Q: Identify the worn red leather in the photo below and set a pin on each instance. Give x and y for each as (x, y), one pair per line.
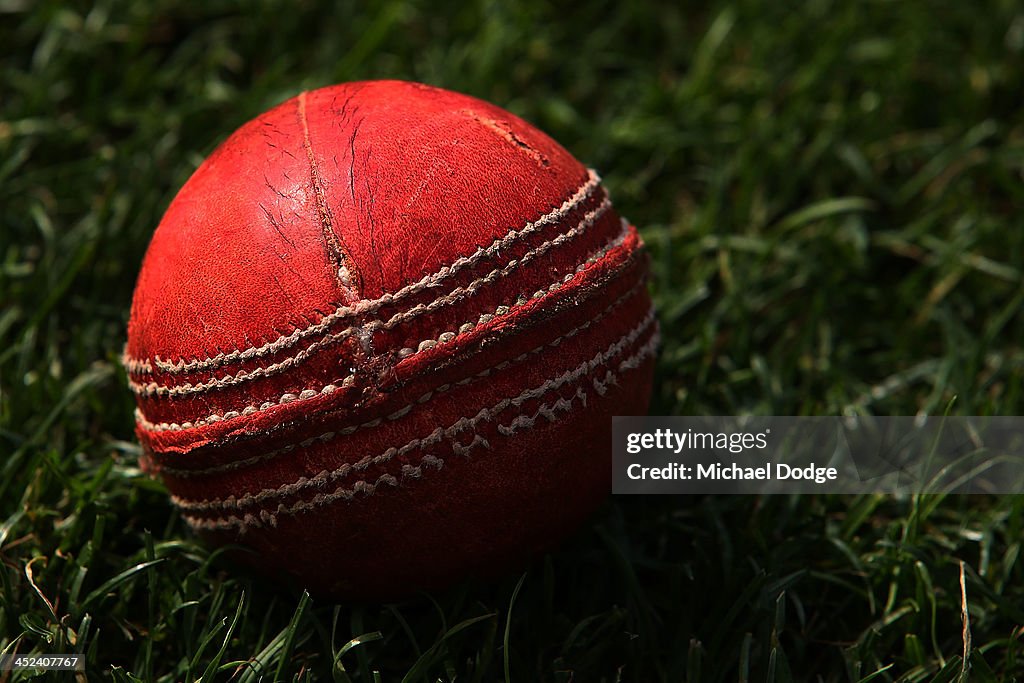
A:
(379, 336)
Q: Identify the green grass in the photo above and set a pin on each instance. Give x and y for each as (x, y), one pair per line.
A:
(832, 196)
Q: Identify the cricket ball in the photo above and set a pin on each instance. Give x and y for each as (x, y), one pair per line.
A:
(379, 336)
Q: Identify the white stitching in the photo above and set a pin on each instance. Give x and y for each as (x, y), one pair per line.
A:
(309, 394)
(520, 301)
(142, 365)
(401, 412)
(521, 421)
(426, 345)
(252, 409)
(153, 388)
(456, 295)
(135, 365)
(186, 389)
(485, 414)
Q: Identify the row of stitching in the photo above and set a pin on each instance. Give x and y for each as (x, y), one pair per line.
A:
(143, 365)
(252, 409)
(459, 293)
(187, 389)
(486, 414)
(522, 421)
(136, 366)
(426, 345)
(240, 464)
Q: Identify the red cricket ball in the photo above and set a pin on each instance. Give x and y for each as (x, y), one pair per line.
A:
(379, 336)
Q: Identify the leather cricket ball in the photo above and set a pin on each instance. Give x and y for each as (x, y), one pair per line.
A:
(379, 336)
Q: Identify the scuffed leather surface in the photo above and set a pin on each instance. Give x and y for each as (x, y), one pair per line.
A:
(412, 179)
(428, 169)
(239, 256)
(394, 181)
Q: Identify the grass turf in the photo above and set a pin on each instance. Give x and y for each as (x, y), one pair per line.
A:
(832, 198)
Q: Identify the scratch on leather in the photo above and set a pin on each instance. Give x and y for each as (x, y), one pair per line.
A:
(346, 272)
(504, 131)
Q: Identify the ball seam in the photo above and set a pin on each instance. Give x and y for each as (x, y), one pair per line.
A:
(233, 502)
(240, 464)
(455, 296)
(521, 421)
(447, 337)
